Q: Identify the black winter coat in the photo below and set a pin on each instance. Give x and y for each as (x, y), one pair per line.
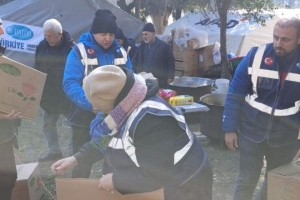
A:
(52, 60)
(161, 62)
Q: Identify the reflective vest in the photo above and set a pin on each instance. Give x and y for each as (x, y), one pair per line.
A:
(90, 61)
(124, 140)
(264, 72)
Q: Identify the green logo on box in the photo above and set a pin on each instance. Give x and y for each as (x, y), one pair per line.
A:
(10, 69)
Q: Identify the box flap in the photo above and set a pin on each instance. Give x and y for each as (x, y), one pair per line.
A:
(287, 169)
(25, 170)
(79, 189)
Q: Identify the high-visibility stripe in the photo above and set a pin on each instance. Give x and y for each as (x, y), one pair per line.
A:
(126, 142)
(263, 73)
(268, 109)
(293, 77)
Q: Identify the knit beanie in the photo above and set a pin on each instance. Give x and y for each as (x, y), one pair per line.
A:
(149, 27)
(120, 35)
(103, 85)
(104, 22)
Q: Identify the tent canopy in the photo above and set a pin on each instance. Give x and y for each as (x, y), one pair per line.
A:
(241, 33)
(76, 17)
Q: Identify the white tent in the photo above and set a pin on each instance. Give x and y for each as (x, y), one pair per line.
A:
(76, 17)
(242, 34)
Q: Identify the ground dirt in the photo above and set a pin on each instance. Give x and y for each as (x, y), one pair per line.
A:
(32, 144)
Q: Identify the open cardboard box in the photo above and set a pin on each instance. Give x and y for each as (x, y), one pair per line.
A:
(28, 185)
(21, 88)
(80, 189)
(284, 182)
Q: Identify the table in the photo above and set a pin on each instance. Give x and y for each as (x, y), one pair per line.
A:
(192, 112)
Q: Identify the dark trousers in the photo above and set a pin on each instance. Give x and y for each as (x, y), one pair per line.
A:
(80, 136)
(251, 162)
(8, 171)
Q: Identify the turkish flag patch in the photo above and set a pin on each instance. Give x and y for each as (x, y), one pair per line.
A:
(268, 61)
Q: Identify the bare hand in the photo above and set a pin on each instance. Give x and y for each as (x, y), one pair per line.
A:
(170, 80)
(297, 157)
(231, 140)
(106, 183)
(12, 115)
(62, 165)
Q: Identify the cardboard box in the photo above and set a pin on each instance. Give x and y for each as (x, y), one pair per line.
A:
(188, 56)
(80, 189)
(186, 66)
(284, 182)
(28, 185)
(21, 88)
(189, 46)
(206, 56)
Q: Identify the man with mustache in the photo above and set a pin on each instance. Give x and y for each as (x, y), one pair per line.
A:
(261, 115)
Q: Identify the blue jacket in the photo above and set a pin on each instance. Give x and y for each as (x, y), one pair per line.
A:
(263, 107)
(81, 111)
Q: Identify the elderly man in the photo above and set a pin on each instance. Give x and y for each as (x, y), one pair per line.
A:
(155, 56)
(50, 58)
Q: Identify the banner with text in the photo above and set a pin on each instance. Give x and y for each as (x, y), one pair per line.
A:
(21, 37)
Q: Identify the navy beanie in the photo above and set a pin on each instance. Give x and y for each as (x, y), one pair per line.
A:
(149, 27)
(120, 35)
(104, 22)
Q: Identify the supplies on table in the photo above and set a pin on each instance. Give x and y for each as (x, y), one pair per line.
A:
(181, 100)
(166, 93)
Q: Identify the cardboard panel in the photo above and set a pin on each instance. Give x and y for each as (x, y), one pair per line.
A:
(206, 56)
(80, 189)
(21, 88)
(284, 182)
(186, 56)
(187, 66)
(28, 185)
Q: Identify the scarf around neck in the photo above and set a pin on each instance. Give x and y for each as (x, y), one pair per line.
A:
(104, 127)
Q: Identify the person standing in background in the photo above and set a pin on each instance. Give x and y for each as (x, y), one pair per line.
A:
(8, 140)
(261, 114)
(123, 41)
(155, 56)
(96, 48)
(50, 58)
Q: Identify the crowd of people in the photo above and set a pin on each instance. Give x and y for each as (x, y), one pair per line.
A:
(116, 115)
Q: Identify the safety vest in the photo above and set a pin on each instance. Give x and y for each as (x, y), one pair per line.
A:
(90, 61)
(258, 73)
(124, 140)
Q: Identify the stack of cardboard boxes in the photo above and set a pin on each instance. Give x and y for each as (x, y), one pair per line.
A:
(192, 62)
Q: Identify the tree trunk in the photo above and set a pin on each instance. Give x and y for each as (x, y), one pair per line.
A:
(223, 6)
(177, 14)
(137, 9)
(158, 23)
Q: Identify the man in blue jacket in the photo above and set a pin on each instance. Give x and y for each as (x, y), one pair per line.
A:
(155, 56)
(97, 47)
(261, 114)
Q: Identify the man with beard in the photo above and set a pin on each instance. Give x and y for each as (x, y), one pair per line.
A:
(155, 56)
(261, 114)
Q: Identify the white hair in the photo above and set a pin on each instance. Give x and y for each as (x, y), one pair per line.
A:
(53, 24)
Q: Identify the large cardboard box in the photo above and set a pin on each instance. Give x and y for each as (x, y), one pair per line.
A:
(284, 182)
(206, 56)
(21, 88)
(28, 185)
(80, 189)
